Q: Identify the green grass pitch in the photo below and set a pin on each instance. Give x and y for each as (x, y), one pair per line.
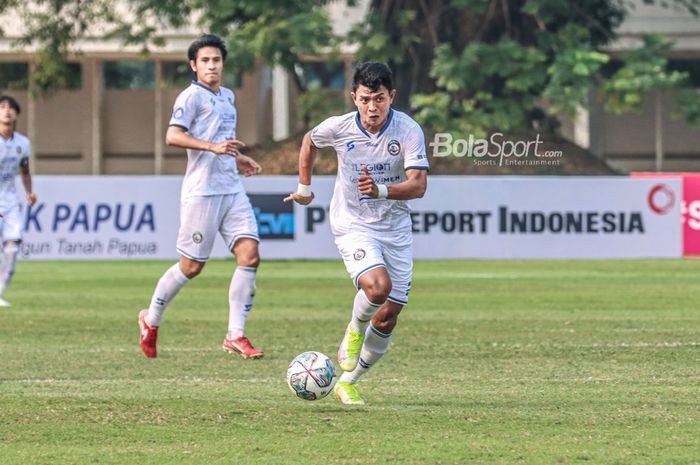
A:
(499, 362)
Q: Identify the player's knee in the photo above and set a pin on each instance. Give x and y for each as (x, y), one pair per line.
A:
(251, 259)
(385, 323)
(191, 268)
(378, 290)
(246, 252)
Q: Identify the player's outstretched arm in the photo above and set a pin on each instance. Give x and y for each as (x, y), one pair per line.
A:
(413, 187)
(307, 158)
(178, 137)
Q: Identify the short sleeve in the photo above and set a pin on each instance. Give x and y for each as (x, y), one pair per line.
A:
(415, 156)
(324, 134)
(184, 111)
(23, 161)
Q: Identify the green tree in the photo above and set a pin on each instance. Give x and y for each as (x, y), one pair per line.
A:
(478, 65)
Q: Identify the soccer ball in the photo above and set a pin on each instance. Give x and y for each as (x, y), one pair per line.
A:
(311, 375)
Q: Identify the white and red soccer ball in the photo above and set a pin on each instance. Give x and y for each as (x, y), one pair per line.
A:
(311, 375)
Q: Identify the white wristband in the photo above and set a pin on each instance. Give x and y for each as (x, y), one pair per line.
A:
(383, 191)
(304, 190)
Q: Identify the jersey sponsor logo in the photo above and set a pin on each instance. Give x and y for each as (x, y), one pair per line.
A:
(359, 254)
(372, 167)
(349, 146)
(393, 147)
(197, 237)
(275, 219)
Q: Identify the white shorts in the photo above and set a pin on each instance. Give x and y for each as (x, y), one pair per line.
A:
(12, 224)
(203, 216)
(365, 251)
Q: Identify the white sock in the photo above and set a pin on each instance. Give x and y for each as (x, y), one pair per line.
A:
(9, 263)
(375, 346)
(362, 312)
(240, 298)
(169, 285)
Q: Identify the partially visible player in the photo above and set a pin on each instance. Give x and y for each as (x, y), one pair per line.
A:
(382, 163)
(15, 150)
(213, 199)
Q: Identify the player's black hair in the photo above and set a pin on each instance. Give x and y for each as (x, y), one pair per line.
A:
(206, 40)
(10, 101)
(373, 75)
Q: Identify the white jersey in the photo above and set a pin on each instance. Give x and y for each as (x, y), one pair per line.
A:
(397, 147)
(14, 152)
(211, 117)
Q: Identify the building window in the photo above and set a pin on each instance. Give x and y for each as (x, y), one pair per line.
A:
(74, 76)
(692, 67)
(177, 74)
(325, 90)
(14, 75)
(129, 74)
(322, 75)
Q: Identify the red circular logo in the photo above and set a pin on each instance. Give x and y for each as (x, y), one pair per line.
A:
(661, 199)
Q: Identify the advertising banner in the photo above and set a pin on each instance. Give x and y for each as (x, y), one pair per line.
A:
(690, 207)
(137, 217)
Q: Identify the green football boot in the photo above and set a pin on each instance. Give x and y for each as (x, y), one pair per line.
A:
(349, 350)
(347, 393)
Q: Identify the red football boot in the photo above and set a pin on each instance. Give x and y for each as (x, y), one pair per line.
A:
(149, 335)
(242, 346)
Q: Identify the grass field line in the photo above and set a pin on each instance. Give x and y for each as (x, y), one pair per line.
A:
(507, 345)
(595, 345)
(119, 381)
(556, 275)
(127, 381)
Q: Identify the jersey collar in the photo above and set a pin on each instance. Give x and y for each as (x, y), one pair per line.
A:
(206, 88)
(381, 131)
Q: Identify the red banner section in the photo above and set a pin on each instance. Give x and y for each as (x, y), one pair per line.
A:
(690, 206)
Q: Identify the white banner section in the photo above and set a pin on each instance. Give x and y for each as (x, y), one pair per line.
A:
(137, 217)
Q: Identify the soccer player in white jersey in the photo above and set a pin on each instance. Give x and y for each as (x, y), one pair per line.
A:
(212, 198)
(15, 150)
(382, 163)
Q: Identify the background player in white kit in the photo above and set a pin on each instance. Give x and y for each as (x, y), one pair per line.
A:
(212, 199)
(15, 150)
(381, 163)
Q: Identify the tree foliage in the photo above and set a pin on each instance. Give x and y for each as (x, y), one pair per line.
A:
(472, 66)
(462, 65)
